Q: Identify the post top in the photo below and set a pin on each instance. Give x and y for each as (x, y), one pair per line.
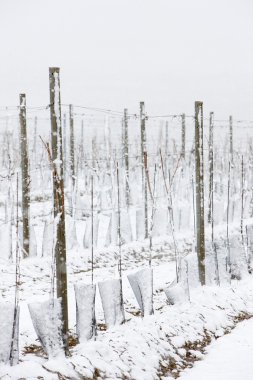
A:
(54, 69)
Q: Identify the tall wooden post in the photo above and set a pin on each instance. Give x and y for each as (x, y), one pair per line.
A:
(183, 136)
(231, 138)
(210, 158)
(72, 145)
(126, 156)
(199, 167)
(25, 176)
(144, 179)
(58, 190)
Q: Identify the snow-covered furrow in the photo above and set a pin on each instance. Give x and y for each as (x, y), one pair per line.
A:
(229, 358)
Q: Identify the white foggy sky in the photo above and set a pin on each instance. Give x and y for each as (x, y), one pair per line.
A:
(115, 53)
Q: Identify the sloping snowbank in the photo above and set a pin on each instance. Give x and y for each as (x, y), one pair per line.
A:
(147, 348)
(229, 358)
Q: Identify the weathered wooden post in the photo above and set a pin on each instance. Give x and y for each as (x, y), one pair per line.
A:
(126, 156)
(199, 167)
(58, 190)
(144, 179)
(25, 176)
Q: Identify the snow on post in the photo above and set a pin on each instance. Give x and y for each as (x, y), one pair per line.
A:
(85, 311)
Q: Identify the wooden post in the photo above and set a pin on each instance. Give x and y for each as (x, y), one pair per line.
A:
(210, 157)
(25, 176)
(126, 156)
(183, 136)
(144, 179)
(231, 138)
(72, 145)
(199, 167)
(58, 190)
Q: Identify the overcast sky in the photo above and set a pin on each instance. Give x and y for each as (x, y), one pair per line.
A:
(115, 53)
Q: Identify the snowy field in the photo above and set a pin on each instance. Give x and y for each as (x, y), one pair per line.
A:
(126, 190)
(154, 346)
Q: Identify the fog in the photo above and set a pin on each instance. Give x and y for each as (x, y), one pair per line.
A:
(115, 53)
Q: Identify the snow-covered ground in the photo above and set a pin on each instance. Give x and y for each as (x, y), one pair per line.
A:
(153, 347)
(228, 358)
